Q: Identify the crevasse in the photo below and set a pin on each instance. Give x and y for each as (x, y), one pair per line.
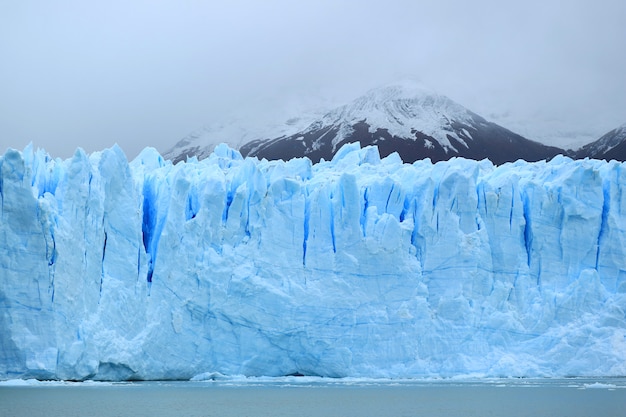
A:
(359, 266)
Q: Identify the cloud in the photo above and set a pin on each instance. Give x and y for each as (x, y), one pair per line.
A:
(145, 73)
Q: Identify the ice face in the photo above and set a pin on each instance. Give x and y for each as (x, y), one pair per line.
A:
(359, 266)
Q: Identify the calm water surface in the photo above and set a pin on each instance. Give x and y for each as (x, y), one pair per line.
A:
(304, 397)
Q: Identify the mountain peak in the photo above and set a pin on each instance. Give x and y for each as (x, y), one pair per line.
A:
(611, 145)
(404, 89)
(405, 117)
(403, 109)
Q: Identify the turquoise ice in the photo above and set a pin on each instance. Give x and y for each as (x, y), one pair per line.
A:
(359, 266)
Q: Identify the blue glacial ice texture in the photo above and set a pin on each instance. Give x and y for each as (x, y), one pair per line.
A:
(359, 266)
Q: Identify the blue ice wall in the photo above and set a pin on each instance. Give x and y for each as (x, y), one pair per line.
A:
(359, 266)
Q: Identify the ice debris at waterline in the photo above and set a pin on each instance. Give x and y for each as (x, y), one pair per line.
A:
(358, 266)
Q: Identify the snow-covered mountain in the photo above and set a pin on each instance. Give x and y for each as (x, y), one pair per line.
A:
(359, 266)
(612, 145)
(236, 132)
(405, 118)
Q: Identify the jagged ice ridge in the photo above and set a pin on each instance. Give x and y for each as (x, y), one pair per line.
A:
(352, 267)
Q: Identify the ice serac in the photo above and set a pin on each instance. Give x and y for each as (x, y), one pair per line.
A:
(358, 266)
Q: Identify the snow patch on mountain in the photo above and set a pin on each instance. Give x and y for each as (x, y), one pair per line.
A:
(235, 133)
(402, 109)
(610, 140)
(240, 129)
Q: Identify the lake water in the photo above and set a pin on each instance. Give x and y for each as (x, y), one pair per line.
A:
(304, 397)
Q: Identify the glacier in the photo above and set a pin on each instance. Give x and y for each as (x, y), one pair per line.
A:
(354, 267)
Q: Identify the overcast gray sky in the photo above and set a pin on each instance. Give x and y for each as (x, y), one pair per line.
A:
(146, 73)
